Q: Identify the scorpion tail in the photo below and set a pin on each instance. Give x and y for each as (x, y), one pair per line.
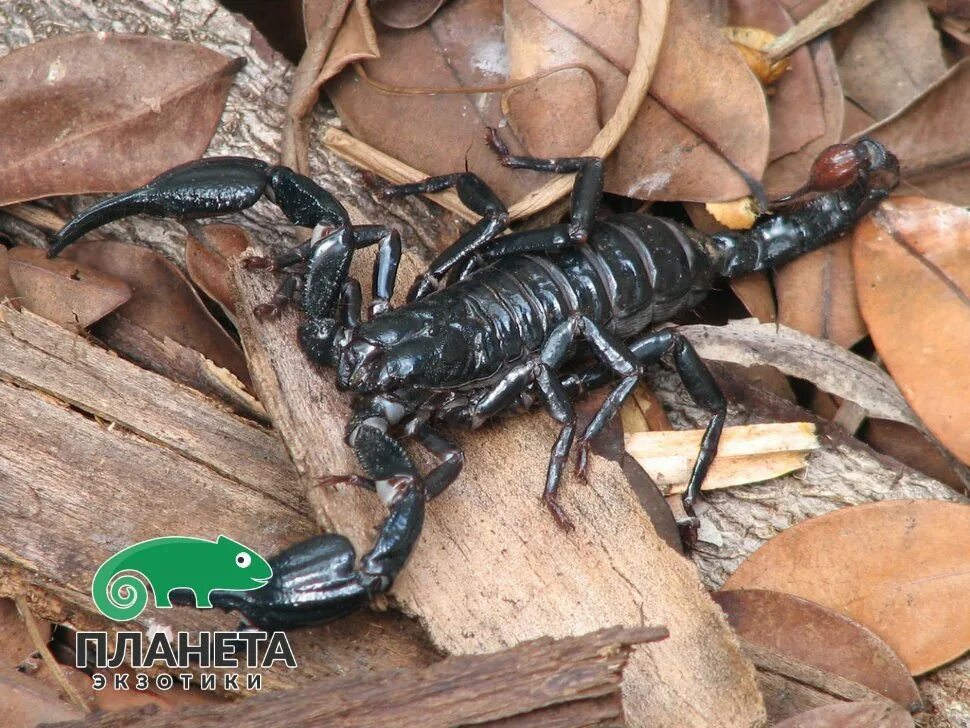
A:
(850, 179)
(121, 597)
(203, 188)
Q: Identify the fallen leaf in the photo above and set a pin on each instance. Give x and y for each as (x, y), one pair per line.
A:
(913, 448)
(8, 292)
(930, 138)
(750, 43)
(206, 260)
(810, 633)
(795, 104)
(826, 365)
(99, 112)
(356, 40)
(851, 715)
(823, 93)
(71, 295)
(757, 295)
(899, 568)
(163, 301)
(404, 14)
(912, 264)
(816, 295)
(894, 54)
(462, 46)
(665, 154)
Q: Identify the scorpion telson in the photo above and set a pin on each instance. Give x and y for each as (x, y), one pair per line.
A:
(496, 322)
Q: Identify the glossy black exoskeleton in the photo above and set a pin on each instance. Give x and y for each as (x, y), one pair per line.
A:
(494, 323)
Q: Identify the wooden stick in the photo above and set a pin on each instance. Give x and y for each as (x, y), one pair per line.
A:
(825, 17)
(575, 681)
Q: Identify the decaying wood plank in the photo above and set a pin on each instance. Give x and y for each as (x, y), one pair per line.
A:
(492, 568)
(76, 489)
(569, 682)
(38, 354)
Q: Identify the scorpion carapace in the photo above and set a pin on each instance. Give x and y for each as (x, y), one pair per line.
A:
(496, 322)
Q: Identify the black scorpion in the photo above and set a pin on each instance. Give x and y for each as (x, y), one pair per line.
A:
(493, 324)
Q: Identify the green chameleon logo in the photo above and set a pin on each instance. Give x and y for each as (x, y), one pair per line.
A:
(175, 562)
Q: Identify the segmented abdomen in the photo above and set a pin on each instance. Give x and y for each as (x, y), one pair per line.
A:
(635, 269)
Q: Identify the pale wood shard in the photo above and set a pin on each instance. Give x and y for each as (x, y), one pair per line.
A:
(565, 683)
(492, 568)
(746, 454)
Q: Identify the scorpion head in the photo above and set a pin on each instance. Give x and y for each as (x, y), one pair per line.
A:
(407, 348)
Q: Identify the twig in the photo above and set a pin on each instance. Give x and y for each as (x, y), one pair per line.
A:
(825, 17)
(41, 644)
(306, 90)
(35, 215)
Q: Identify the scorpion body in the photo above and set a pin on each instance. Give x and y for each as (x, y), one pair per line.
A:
(497, 322)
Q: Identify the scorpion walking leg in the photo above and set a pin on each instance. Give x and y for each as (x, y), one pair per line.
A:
(697, 380)
(478, 198)
(452, 459)
(587, 190)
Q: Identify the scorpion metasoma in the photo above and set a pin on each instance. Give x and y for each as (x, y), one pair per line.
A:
(496, 322)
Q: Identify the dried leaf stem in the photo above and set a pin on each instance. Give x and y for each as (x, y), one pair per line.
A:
(41, 644)
(825, 17)
(306, 90)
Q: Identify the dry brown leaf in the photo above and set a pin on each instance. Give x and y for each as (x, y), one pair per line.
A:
(912, 264)
(930, 138)
(99, 112)
(808, 632)
(894, 55)
(206, 260)
(899, 568)
(913, 448)
(164, 302)
(795, 104)
(462, 46)
(664, 155)
(404, 14)
(71, 295)
(851, 715)
(749, 42)
(822, 90)
(826, 365)
(8, 292)
(355, 41)
(816, 295)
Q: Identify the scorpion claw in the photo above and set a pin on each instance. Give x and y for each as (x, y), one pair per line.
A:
(377, 184)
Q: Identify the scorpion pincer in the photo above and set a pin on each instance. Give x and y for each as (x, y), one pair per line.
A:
(496, 322)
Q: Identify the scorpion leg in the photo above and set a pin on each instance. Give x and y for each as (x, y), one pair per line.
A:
(451, 458)
(587, 190)
(477, 197)
(697, 380)
(545, 240)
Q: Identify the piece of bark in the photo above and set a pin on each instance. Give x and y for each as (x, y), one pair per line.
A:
(576, 679)
(492, 568)
(149, 458)
(791, 687)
